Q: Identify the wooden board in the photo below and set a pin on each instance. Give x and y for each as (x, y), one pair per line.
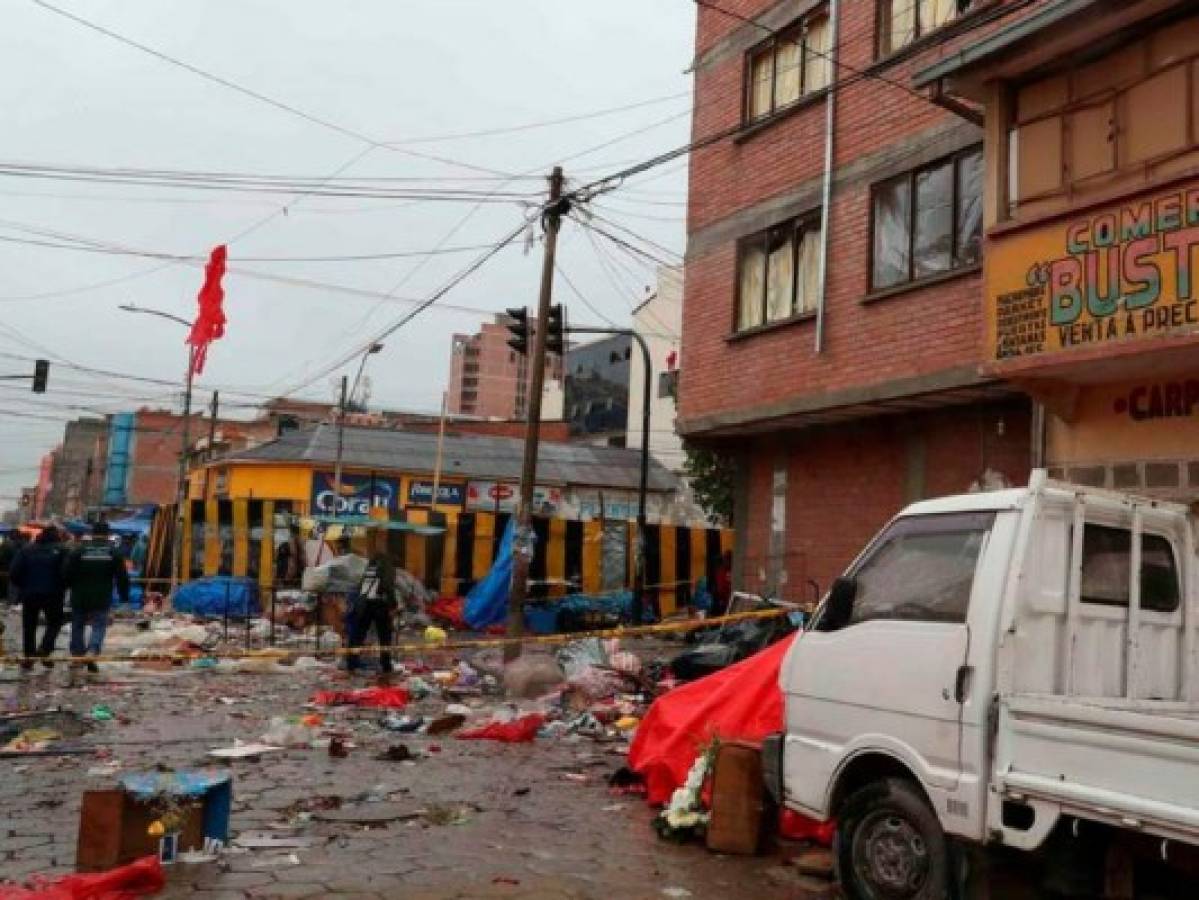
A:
(738, 799)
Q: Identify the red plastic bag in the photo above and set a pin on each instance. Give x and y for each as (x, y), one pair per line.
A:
(373, 698)
(138, 879)
(518, 731)
(449, 611)
(742, 702)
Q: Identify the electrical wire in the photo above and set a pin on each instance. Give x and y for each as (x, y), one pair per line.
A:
(255, 95)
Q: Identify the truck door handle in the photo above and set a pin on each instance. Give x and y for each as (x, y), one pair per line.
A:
(962, 683)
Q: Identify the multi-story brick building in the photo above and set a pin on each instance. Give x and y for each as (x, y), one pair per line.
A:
(488, 378)
(833, 323)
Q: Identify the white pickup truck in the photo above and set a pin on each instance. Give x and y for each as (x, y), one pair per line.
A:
(1012, 669)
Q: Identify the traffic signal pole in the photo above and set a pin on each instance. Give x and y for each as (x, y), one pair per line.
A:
(524, 545)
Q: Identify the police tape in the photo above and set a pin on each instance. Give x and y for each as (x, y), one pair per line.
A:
(279, 654)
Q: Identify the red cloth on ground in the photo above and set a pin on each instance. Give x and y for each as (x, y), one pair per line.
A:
(138, 879)
(374, 698)
(518, 731)
(742, 702)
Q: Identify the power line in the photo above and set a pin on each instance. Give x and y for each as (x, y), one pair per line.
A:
(491, 132)
(255, 95)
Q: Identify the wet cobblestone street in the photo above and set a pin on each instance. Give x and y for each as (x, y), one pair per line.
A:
(464, 819)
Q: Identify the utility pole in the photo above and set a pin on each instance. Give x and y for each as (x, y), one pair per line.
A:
(523, 547)
(341, 431)
(213, 409)
(437, 465)
(178, 568)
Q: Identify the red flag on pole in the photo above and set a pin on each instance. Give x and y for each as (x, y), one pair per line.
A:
(210, 320)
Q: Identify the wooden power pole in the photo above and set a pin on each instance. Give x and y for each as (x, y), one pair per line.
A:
(525, 543)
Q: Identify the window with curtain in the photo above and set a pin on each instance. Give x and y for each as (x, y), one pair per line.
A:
(927, 221)
(903, 21)
(788, 66)
(778, 273)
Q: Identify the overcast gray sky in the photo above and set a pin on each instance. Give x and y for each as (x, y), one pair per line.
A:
(384, 70)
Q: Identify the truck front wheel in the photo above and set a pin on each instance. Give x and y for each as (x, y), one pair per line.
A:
(890, 846)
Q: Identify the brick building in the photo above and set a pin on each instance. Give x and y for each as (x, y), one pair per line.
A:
(841, 391)
(488, 378)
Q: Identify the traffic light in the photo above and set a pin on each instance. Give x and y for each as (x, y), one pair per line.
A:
(41, 371)
(555, 330)
(519, 326)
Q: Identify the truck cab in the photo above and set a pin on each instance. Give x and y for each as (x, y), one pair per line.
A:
(992, 666)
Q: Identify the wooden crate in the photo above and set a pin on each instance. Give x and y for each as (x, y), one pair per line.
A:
(113, 830)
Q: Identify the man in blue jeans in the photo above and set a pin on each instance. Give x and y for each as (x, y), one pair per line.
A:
(91, 572)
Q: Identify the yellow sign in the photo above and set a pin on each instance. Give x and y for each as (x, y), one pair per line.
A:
(1121, 272)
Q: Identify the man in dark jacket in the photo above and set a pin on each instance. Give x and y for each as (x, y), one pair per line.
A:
(37, 575)
(374, 604)
(92, 571)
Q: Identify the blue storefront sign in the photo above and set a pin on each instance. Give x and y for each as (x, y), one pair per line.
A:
(359, 494)
(420, 493)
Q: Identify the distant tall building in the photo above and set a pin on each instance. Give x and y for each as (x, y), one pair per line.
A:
(488, 378)
(597, 390)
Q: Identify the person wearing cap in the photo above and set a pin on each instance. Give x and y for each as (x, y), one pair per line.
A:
(37, 575)
(91, 572)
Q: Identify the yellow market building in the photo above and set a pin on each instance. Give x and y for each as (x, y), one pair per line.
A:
(239, 506)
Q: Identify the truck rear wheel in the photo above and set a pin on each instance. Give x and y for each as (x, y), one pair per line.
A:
(890, 845)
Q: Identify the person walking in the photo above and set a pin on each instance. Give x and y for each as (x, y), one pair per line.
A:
(373, 605)
(91, 572)
(37, 575)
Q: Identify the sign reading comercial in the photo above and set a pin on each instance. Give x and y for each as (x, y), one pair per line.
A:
(359, 494)
(420, 493)
(1121, 272)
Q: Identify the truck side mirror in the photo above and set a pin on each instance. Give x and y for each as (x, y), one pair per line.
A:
(838, 608)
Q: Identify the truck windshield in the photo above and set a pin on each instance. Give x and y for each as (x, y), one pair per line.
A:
(921, 569)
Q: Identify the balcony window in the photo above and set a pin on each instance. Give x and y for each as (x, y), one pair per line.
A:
(928, 221)
(787, 67)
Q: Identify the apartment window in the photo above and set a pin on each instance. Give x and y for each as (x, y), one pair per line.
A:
(903, 21)
(778, 273)
(787, 66)
(1107, 565)
(928, 221)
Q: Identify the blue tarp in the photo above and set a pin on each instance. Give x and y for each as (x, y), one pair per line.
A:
(487, 602)
(208, 597)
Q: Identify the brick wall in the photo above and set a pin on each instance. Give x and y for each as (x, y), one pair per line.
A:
(845, 482)
(740, 186)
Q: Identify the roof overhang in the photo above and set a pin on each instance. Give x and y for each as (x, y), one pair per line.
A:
(955, 388)
(1057, 34)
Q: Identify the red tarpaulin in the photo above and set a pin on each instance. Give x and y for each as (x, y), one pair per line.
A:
(742, 702)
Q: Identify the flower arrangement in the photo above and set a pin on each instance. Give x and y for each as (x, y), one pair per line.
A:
(685, 817)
